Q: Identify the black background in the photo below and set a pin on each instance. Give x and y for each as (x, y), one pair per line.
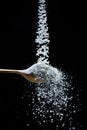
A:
(68, 38)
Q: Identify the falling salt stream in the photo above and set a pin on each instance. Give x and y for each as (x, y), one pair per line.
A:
(53, 99)
(42, 39)
(51, 96)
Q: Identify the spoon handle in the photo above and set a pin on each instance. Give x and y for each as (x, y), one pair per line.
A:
(9, 71)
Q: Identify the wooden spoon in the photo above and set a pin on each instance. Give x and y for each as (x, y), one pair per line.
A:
(24, 73)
